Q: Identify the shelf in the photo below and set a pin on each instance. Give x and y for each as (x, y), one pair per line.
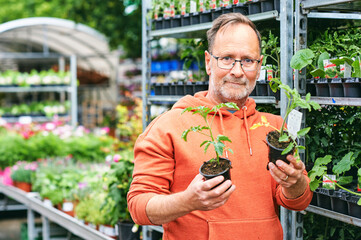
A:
(173, 99)
(335, 215)
(339, 101)
(332, 5)
(31, 201)
(34, 118)
(199, 30)
(65, 88)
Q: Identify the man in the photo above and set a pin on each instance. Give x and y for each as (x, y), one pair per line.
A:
(167, 189)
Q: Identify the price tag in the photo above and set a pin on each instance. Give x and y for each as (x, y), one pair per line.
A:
(294, 123)
(25, 120)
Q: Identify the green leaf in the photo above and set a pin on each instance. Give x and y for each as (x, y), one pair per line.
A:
(288, 148)
(345, 164)
(284, 138)
(219, 146)
(343, 180)
(303, 131)
(322, 161)
(359, 202)
(302, 58)
(206, 147)
(323, 56)
(314, 184)
(223, 138)
(204, 143)
(184, 134)
(357, 69)
(318, 73)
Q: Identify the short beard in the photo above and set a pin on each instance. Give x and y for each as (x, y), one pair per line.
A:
(234, 95)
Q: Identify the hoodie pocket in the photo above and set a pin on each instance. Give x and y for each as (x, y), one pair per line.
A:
(254, 229)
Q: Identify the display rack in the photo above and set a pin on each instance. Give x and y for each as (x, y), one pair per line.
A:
(325, 9)
(70, 89)
(34, 204)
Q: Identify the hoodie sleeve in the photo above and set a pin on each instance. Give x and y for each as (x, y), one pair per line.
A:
(153, 169)
(296, 204)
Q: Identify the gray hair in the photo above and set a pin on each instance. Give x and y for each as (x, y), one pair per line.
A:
(229, 19)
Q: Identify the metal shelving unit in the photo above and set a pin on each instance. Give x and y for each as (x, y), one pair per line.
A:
(325, 9)
(33, 204)
(71, 89)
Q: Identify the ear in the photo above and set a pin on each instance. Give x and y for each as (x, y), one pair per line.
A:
(208, 62)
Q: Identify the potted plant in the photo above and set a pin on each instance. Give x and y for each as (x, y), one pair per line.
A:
(217, 165)
(22, 174)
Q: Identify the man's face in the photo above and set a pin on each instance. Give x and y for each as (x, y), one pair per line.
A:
(238, 41)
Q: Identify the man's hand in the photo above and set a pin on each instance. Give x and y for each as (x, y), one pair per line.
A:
(200, 194)
(289, 176)
(205, 195)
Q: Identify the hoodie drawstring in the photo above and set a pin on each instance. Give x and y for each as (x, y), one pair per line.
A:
(244, 108)
(222, 128)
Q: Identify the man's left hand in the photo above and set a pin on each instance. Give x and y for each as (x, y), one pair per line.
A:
(289, 176)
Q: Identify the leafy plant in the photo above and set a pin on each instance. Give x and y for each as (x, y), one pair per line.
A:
(319, 171)
(294, 101)
(23, 171)
(194, 52)
(217, 142)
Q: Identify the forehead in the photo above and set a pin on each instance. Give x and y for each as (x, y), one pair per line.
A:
(236, 36)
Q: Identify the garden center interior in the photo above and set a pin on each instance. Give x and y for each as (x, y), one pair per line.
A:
(75, 94)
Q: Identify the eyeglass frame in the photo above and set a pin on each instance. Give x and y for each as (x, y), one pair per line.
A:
(237, 60)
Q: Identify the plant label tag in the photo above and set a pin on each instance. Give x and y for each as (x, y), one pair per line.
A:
(294, 123)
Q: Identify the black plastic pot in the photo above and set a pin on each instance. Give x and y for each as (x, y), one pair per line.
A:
(158, 23)
(275, 153)
(201, 86)
(354, 209)
(322, 89)
(166, 23)
(226, 173)
(267, 5)
(254, 7)
(186, 19)
(261, 86)
(175, 21)
(195, 18)
(352, 87)
(216, 13)
(240, 8)
(189, 88)
(314, 197)
(339, 201)
(206, 16)
(125, 231)
(179, 91)
(228, 9)
(157, 89)
(336, 87)
(324, 198)
(311, 87)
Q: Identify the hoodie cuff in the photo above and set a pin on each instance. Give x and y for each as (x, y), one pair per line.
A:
(137, 207)
(297, 204)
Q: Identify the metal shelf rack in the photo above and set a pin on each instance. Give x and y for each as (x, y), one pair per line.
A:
(34, 204)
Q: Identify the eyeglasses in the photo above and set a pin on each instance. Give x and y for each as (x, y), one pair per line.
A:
(247, 65)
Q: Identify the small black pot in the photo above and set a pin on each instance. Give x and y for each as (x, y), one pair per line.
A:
(336, 88)
(226, 173)
(352, 87)
(125, 231)
(322, 89)
(275, 153)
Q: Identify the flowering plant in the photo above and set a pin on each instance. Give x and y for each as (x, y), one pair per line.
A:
(23, 171)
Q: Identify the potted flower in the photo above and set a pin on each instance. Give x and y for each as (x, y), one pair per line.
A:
(217, 165)
(22, 174)
(280, 141)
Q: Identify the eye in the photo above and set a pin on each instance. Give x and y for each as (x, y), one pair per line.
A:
(227, 60)
(249, 61)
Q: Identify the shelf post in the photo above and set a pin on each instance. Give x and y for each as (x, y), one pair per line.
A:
(74, 92)
(31, 224)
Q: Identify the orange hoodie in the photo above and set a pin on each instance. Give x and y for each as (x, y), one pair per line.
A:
(165, 164)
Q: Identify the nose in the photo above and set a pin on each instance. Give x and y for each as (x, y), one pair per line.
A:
(237, 70)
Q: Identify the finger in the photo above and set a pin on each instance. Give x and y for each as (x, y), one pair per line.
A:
(276, 173)
(211, 183)
(296, 162)
(221, 189)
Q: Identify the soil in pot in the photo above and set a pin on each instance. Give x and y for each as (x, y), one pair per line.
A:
(276, 148)
(211, 168)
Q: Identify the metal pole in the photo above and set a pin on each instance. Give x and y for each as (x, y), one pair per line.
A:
(286, 38)
(46, 228)
(31, 224)
(74, 91)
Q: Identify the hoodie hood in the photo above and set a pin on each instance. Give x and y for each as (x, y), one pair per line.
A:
(200, 99)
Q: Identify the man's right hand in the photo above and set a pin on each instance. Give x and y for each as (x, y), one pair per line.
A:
(200, 194)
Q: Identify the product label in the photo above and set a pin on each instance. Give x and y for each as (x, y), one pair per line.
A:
(201, 6)
(294, 123)
(193, 7)
(48, 203)
(183, 9)
(329, 182)
(213, 4)
(68, 206)
(235, 1)
(269, 72)
(109, 231)
(225, 3)
(330, 69)
(262, 74)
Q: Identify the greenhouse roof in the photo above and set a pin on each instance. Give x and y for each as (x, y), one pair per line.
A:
(45, 37)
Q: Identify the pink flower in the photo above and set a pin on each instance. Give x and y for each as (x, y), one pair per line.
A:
(116, 158)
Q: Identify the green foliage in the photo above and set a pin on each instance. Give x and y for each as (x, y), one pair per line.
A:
(119, 179)
(122, 28)
(204, 112)
(13, 148)
(271, 52)
(318, 227)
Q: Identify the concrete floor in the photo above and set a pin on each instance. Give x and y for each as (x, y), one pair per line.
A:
(10, 228)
